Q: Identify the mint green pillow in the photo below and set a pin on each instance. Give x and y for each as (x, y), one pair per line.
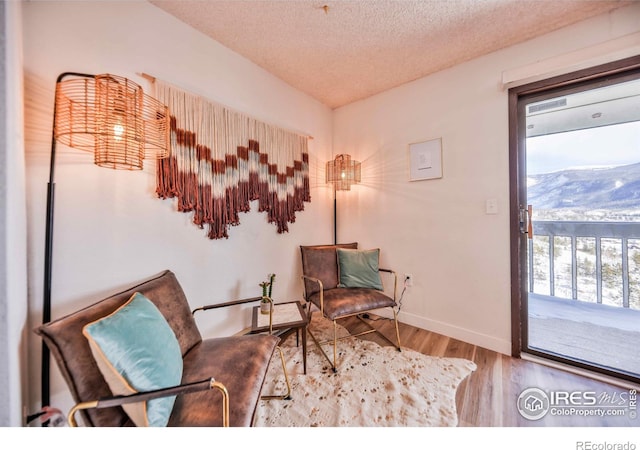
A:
(359, 268)
(136, 350)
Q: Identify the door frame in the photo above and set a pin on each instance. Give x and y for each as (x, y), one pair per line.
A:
(605, 74)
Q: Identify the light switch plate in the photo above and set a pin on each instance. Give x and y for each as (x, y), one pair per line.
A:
(491, 206)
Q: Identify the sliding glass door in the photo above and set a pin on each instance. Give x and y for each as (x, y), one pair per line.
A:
(576, 201)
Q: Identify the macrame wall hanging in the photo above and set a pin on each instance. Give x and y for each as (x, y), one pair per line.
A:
(222, 160)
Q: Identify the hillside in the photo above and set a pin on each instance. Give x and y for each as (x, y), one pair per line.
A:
(611, 188)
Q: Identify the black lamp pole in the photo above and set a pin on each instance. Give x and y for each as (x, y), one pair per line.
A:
(335, 216)
(48, 251)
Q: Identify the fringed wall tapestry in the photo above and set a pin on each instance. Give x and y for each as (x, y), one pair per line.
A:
(222, 160)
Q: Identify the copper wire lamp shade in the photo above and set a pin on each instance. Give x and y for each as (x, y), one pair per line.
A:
(342, 172)
(112, 117)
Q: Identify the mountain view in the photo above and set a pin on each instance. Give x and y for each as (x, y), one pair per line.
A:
(615, 188)
(586, 195)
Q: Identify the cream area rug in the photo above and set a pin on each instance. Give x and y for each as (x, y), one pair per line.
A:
(374, 386)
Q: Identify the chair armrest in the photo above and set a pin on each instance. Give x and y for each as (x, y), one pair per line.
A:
(225, 304)
(240, 302)
(119, 400)
(395, 280)
(320, 285)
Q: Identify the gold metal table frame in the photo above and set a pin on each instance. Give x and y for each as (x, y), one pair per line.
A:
(287, 317)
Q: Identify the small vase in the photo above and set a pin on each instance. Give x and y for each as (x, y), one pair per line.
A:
(265, 307)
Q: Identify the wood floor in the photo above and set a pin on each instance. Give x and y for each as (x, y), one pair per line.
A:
(488, 397)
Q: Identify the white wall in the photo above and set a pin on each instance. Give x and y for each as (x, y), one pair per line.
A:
(13, 220)
(437, 230)
(110, 229)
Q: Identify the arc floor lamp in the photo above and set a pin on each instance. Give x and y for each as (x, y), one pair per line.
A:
(112, 117)
(342, 172)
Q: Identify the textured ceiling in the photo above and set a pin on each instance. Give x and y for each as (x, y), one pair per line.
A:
(340, 51)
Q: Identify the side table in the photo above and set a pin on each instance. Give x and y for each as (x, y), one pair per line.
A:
(287, 318)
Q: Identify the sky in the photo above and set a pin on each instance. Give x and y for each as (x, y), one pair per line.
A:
(614, 145)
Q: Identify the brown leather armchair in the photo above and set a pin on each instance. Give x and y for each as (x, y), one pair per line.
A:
(235, 366)
(320, 274)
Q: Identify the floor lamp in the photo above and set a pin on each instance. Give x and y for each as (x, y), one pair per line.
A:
(112, 117)
(342, 172)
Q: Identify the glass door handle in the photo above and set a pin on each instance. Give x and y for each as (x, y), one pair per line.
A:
(525, 218)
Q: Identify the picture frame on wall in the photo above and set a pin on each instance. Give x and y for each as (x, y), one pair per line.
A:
(425, 160)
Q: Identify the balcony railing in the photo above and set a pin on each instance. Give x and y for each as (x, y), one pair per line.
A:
(621, 232)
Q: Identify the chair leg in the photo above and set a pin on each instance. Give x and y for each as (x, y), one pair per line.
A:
(287, 396)
(334, 363)
(319, 345)
(335, 346)
(372, 329)
(395, 319)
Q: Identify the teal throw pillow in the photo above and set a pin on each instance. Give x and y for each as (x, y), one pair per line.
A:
(359, 268)
(136, 350)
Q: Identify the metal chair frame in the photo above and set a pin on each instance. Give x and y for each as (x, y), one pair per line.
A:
(359, 315)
